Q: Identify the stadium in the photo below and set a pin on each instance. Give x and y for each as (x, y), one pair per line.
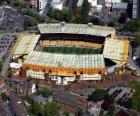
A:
(67, 53)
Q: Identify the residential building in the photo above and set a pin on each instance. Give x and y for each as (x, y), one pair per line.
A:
(16, 105)
(136, 9)
(70, 102)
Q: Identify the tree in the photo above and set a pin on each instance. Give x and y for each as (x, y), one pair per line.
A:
(98, 94)
(111, 112)
(1, 66)
(126, 104)
(4, 96)
(66, 113)
(136, 97)
(85, 11)
(29, 22)
(35, 15)
(132, 25)
(137, 39)
(37, 109)
(51, 109)
(46, 92)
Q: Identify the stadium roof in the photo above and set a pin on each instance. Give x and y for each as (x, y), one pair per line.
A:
(65, 60)
(116, 49)
(25, 44)
(77, 29)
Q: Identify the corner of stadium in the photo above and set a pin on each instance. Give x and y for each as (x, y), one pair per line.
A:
(66, 53)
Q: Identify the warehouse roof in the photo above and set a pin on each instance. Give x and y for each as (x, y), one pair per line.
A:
(116, 49)
(65, 60)
(76, 29)
(25, 44)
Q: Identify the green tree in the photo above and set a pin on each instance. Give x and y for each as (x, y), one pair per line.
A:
(136, 96)
(111, 112)
(126, 104)
(37, 109)
(16, 2)
(51, 109)
(66, 113)
(137, 39)
(4, 96)
(1, 66)
(46, 92)
(29, 22)
(132, 25)
(98, 94)
(85, 11)
(39, 18)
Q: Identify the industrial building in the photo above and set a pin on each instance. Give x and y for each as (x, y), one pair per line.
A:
(64, 65)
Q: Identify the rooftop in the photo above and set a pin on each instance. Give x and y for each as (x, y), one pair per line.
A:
(65, 60)
(25, 44)
(89, 29)
(116, 49)
(70, 99)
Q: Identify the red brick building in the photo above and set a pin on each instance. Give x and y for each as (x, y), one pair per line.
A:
(70, 102)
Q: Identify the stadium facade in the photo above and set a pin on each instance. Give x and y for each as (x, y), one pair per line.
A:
(69, 66)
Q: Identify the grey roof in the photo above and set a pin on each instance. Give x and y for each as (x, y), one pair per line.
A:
(65, 60)
(25, 43)
(39, 98)
(70, 99)
(120, 6)
(77, 29)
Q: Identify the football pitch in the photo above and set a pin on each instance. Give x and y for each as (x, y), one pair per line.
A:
(72, 50)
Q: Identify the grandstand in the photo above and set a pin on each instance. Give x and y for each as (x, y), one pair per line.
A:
(70, 52)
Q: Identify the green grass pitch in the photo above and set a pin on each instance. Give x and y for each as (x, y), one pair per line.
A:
(72, 50)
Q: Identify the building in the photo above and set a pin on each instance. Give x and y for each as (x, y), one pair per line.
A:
(3, 111)
(57, 4)
(118, 9)
(24, 44)
(39, 5)
(34, 4)
(136, 9)
(87, 29)
(16, 105)
(103, 9)
(42, 5)
(51, 55)
(70, 102)
(64, 68)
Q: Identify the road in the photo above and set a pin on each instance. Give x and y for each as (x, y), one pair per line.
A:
(5, 66)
